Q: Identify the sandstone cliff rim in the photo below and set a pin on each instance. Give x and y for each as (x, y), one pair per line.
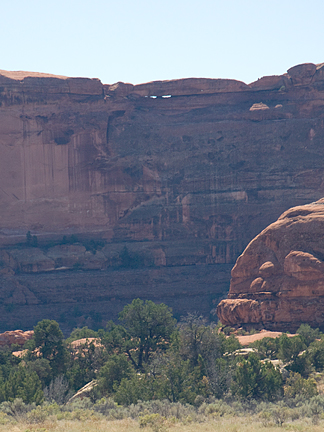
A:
(20, 75)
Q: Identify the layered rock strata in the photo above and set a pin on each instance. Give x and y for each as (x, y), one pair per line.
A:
(278, 281)
(183, 173)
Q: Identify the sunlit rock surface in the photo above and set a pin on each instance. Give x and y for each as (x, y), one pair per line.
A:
(183, 173)
(278, 281)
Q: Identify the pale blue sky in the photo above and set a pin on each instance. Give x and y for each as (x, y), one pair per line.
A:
(145, 40)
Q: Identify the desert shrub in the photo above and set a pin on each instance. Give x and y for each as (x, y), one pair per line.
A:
(16, 409)
(79, 404)
(266, 347)
(51, 409)
(113, 371)
(217, 409)
(84, 414)
(130, 391)
(256, 380)
(43, 369)
(297, 385)
(316, 350)
(78, 414)
(289, 348)
(279, 414)
(37, 415)
(230, 344)
(105, 406)
(302, 364)
(227, 330)
(265, 417)
(241, 332)
(81, 333)
(308, 334)
(155, 421)
(166, 409)
(4, 418)
(312, 408)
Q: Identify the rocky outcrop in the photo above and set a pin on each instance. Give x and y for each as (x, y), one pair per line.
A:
(17, 337)
(278, 281)
(85, 391)
(182, 173)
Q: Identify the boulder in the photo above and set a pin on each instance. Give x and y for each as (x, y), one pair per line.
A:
(18, 337)
(302, 74)
(278, 281)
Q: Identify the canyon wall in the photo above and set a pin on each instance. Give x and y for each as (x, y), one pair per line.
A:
(183, 173)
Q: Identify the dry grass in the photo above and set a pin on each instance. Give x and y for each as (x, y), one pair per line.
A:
(233, 424)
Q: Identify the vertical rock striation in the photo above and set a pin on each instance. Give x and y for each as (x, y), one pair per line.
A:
(184, 172)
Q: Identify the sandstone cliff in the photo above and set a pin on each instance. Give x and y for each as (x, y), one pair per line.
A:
(17, 337)
(184, 173)
(278, 281)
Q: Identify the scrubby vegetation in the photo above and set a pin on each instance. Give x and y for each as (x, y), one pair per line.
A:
(157, 373)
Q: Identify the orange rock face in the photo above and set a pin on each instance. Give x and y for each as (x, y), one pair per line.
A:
(15, 337)
(156, 160)
(184, 173)
(278, 281)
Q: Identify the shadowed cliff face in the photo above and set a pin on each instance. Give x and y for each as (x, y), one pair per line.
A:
(196, 175)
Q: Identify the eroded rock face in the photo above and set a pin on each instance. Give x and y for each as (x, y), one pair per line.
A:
(278, 281)
(79, 156)
(15, 337)
(184, 173)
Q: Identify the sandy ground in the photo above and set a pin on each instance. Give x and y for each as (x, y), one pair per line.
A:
(248, 339)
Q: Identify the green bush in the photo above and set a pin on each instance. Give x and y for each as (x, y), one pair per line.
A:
(4, 418)
(16, 409)
(112, 373)
(37, 415)
(256, 380)
(298, 386)
(155, 421)
(21, 383)
(308, 334)
(81, 333)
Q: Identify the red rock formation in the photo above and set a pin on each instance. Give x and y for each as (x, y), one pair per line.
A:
(18, 337)
(113, 159)
(184, 181)
(278, 281)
